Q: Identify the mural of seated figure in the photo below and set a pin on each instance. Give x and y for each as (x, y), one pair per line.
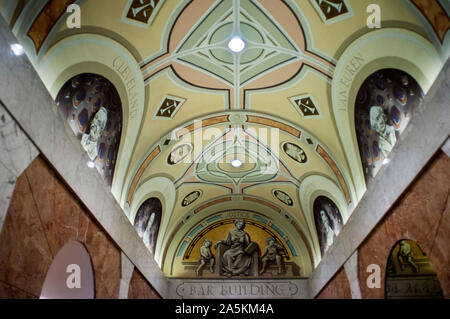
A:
(237, 254)
(271, 255)
(98, 124)
(404, 256)
(386, 133)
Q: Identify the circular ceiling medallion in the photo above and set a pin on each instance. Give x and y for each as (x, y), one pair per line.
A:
(179, 154)
(283, 197)
(190, 198)
(295, 152)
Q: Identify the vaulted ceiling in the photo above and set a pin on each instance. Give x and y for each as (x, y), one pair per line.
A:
(191, 106)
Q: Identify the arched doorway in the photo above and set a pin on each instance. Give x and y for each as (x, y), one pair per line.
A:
(328, 220)
(147, 221)
(71, 275)
(91, 106)
(385, 104)
(410, 274)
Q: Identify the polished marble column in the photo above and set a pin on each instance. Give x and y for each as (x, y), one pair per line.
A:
(16, 153)
(351, 270)
(126, 272)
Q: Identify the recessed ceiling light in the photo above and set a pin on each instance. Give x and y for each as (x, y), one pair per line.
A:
(90, 164)
(17, 49)
(236, 163)
(236, 44)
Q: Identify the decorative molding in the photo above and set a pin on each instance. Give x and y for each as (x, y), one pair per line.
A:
(211, 203)
(141, 170)
(436, 16)
(336, 171)
(46, 20)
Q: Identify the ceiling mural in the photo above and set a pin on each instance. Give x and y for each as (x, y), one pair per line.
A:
(386, 103)
(332, 10)
(206, 249)
(408, 266)
(240, 114)
(142, 12)
(91, 106)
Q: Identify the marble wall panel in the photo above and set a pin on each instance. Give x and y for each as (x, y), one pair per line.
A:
(337, 288)
(140, 288)
(422, 215)
(25, 255)
(42, 218)
(423, 137)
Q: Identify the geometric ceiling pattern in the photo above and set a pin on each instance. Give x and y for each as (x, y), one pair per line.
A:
(191, 107)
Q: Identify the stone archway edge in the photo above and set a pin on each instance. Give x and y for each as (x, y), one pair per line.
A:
(31, 106)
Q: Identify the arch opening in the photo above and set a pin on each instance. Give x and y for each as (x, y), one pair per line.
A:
(91, 106)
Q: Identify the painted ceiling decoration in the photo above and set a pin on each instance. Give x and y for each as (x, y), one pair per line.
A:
(283, 197)
(269, 136)
(259, 229)
(305, 105)
(141, 12)
(386, 103)
(169, 106)
(80, 100)
(190, 198)
(331, 11)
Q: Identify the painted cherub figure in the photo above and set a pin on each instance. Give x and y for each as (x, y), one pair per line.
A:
(271, 254)
(206, 256)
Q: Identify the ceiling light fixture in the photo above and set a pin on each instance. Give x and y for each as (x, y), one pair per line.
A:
(386, 161)
(236, 44)
(90, 164)
(17, 49)
(236, 163)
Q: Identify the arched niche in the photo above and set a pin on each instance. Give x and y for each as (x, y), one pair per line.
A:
(93, 53)
(164, 189)
(177, 241)
(386, 48)
(385, 104)
(147, 222)
(328, 221)
(81, 101)
(71, 275)
(310, 189)
(410, 273)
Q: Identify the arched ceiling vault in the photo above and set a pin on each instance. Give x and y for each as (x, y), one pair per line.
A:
(191, 106)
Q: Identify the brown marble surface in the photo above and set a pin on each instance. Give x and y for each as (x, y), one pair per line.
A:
(140, 288)
(43, 216)
(337, 288)
(422, 215)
